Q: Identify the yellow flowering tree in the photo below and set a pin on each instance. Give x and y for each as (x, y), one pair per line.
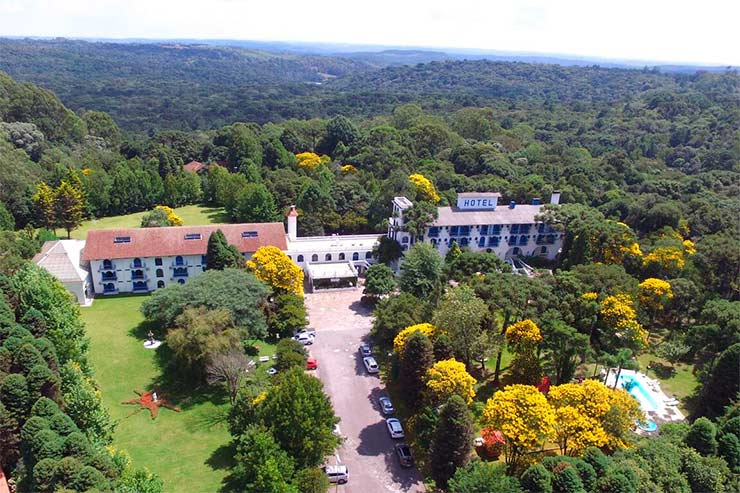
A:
(667, 256)
(618, 245)
(173, 218)
(523, 337)
(524, 417)
(424, 187)
(399, 341)
(447, 378)
(579, 411)
(273, 266)
(655, 294)
(348, 168)
(310, 159)
(620, 321)
(624, 412)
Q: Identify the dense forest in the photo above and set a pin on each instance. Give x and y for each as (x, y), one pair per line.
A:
(648, 165)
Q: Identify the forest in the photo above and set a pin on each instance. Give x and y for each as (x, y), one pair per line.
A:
(649, 169)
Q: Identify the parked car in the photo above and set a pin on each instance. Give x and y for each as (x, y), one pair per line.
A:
(337, 474)
(394, 428)
(310, 332)
(365, 350)
(404, 455)
(386, 406)
(304, 338)
(370, 364)
(311, 363)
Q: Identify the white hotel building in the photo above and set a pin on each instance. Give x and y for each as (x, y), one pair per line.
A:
(479, 224)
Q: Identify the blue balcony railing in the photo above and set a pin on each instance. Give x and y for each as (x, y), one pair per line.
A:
(109, 276)
(110, 266)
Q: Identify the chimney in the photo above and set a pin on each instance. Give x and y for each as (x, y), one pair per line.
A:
(555, 198)
(512, 204)
(536, 201)
(292, 223)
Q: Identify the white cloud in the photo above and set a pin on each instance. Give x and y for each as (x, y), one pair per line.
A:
(659, 30)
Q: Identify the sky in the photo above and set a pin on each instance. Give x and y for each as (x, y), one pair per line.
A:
(695, 31)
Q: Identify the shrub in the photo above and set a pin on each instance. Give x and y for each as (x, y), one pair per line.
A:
(46, 444)
(14, 394)
(89, 478)
(25, 358)
(45, 408)
(67, 470)
(44, 475)
(537, 479)
(615, 482)
(597, 459)
(702, 437)
(566, 480)
(63, 424)
(77, 445)
(728, 448)
(33, 425)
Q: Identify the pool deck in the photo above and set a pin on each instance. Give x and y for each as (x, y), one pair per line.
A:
(667, 407)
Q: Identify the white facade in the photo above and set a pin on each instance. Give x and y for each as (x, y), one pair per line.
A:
(62, 258)
(480, 225)
(144, 274)
(357, 249)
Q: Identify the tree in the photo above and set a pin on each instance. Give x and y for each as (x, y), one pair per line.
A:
(83, 403)
(421, 272)
(311, 480)
(537, 479)
(524, 337)
(300, 416)
(253, 204)
(702, 437)
(566, 480)
(655, 294)
(523, 416)
(7, 222)
(672, 351)
(394, 313)
(468, 264)
(722, 384)
(288, 315)
(452, 441)
(69, 206)
(447, 378)
(44, 200)
(290, 354)
(160, 216)
(199, 334)
(228, 368)
(563, 345)
(387, 250)
(424, 188)
(273, 266)
(399, 342)
(620, 324)
(220, 255)
(417, 217)
(339, 129)
(379, 281)
(483, 477)
(261, 465)
(416, 358)
(459, 314)
(728, 447)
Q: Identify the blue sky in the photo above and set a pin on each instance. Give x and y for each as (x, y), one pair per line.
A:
(699, 31)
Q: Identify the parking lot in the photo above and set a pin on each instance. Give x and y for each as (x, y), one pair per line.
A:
(342, 324)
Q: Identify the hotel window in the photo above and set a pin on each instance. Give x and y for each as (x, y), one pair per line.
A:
(158, 261)
(160, 273)
(464, 230)
(300, 258)
(327, 257)
(493, 241)
(514, 229)
(454, 230)
(481, 241)
(524, 229)
(356, 256)
(484, 229)
(513, 240)
(495, 229)
(203, 260)
(434, 232)
(314, 258)
(463, 242)
(523, 240)
(368, 255)
(341, 256)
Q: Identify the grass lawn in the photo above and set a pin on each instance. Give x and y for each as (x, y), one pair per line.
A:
(189, 450)
(680, 384)
(192, 215)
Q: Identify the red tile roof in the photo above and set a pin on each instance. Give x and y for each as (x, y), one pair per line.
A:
(164, 242)
(193, 166)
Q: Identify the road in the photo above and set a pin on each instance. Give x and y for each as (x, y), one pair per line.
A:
(341, 324)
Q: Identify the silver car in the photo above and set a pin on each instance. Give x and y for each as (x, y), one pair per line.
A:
(386, 406)
(394, 428)
(370, 364)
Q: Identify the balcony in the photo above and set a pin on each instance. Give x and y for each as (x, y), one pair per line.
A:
(183, 265)
(109, 266)
(180, 272)
(139, 277)
(110, 290)
(140, 287)
(109, 276)
(140, 265)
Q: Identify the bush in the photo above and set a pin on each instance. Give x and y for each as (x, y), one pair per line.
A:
(537, 479)
(14, 394)
(311, 480)
(42, 382)
(46, 444)
(140, 481)
(705, 473)
(77, 445)
(33, 425)
(44, 475)
(290, 354)
(45, 408)
(597, 459)
(67, 470)
(89, 478)
(728, 448)
(566, 480)
(702, 437)
(63, 424)
(25, 358)
(615, 483)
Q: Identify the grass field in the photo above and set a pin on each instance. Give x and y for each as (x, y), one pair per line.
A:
(191, 215)
(189, 450)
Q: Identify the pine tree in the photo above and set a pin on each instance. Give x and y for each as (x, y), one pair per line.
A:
(44, 201)
(452, 253)
(452, 442)
(69, 206)
(416, 359)
(220, 254)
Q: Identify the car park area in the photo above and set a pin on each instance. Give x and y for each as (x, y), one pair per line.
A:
(342, 325)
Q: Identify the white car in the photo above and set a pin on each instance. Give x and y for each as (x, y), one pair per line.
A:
(304, 338)
(394, 428)
(386, 406)
(370, 364)
(310, 332)
(337, 474)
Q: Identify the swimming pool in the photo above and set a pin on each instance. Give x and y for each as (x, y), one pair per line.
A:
(649, 425)
(635, 387)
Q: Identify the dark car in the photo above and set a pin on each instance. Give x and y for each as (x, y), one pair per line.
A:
(404, 455)
(365, 350)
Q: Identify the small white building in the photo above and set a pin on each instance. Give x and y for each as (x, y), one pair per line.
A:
(479, 224)
(62, 258)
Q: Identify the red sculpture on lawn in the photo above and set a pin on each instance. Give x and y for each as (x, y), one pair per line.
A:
(150, 400)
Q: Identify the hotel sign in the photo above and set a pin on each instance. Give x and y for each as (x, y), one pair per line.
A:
(476, 203)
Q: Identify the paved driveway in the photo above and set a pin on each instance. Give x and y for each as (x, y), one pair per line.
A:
(342, 323)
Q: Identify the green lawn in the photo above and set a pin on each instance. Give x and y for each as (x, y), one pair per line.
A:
(187, 449)
(191, 215)
(680, 384)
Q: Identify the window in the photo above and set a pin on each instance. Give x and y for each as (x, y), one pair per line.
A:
(160, 273)
(249, 234)
(109, 287)
(550, 239)
(513, 240)
(463, 242)
(203, 260)
(160, 284)
(327, 257)
(300, 258)
(137, 262)
(493, 241)
(314, 258)
(495, 229)
(434, 232)
(341, 256)
(356, 256)
(464, 230)
(178, 260)
(193, 236)
(405, 239)
(107, 264)
(454, 230)
(523, 240)
(514, 229)
(137, 274)
(482, 241)
(543, 250)
(368, 255)
(484, 229)
(181, 281)
(122, 239)
(516, 251)
(524, 228)
(158, 261)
